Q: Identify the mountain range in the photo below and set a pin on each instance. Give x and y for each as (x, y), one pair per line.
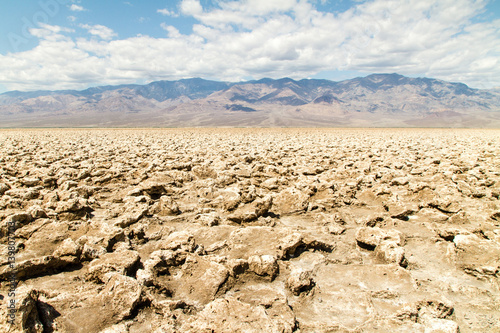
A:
(377, 100)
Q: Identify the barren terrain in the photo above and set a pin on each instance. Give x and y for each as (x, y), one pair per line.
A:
(251, 230)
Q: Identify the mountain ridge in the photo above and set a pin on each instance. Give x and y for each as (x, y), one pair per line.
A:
(377, 100)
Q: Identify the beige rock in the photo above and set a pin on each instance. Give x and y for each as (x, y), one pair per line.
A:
(24, 194)
(210, 219)
(290, 244)
(299, 281)
(431, 215)
(477, 256)
(120, 296)
(231, 315)
(204, 172)
(180, 240)
(293, 244)
(270, 184)
(402, 212)
(372, 237)
(198, 281)
(335, 229)
(228, 199)
(19, 219)
(73, 209)
(399, 181)
(25, 318)
(92, 251)
(252, 211)
(166, 206)
(391, 252)
(124, 262)
(159, 263)
(496, 216)
(265, 265)
(30, 182)
(37, 212)
(289, 201)
(4, 188)
(68, 250)
(37, 266)
(429, 312)
(434, 325)
(131, 215)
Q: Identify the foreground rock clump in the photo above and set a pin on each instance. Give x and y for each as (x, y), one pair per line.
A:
(245, 230)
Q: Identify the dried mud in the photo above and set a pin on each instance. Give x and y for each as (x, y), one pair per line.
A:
(251, 230)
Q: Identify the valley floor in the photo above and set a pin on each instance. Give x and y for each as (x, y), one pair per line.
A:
(250, 230)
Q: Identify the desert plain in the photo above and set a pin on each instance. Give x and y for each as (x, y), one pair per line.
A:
(250, 230)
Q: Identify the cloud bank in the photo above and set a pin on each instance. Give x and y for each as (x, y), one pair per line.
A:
(266, 38)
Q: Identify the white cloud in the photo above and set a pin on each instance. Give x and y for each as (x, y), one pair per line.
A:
(76, 8)
(49, 32)
(167, 12)
(260, 7)
(71, 18)
(172, 31)
(191, 7)
(273, 39)
(99, 30)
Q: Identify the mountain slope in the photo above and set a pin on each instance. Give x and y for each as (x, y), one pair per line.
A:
(378, 100)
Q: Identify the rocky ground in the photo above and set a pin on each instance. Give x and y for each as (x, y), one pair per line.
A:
(251, 230)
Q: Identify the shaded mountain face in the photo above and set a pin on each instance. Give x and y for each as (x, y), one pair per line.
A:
(378, 100)
(159, 91)
(191, 88)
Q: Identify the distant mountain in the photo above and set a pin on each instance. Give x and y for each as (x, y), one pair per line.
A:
(378, 100)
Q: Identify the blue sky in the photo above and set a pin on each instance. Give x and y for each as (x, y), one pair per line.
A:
(66, 44)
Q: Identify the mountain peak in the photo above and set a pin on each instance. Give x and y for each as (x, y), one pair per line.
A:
(384, 76)
(392, 79)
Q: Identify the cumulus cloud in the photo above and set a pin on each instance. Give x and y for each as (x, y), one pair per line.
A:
(167, 12)
(271, 38)
(172, 31)
(49, 32)
(99, 30)
(76, 8)
(191, 7)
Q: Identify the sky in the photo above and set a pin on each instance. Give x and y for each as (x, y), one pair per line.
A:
(76, 44)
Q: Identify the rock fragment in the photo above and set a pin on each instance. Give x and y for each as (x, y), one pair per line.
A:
(121, 296)
(290, 200)
(252, 211)
(123, 262)
(178, 241)
(4, 188)
(166, 206)
(265, 265)
(299, 281)
(386, 243)
(26, 316)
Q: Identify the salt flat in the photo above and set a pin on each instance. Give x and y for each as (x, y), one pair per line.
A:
(251, 230)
